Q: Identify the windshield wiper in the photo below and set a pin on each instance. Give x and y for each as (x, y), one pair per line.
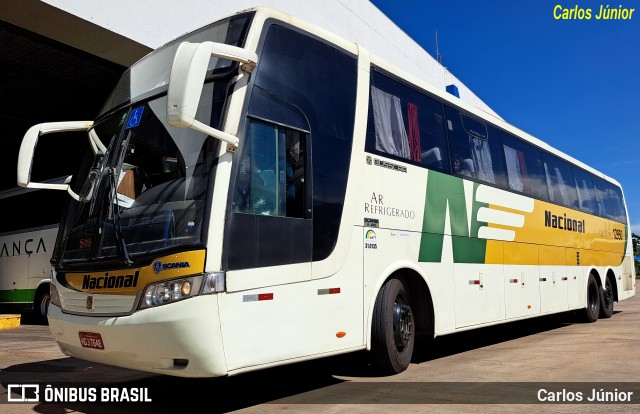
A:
(121, 243)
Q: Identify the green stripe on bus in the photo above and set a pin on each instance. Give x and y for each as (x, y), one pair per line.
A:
(19, 295)
(447, 192)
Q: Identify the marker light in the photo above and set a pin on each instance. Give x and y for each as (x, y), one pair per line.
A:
(214, 282)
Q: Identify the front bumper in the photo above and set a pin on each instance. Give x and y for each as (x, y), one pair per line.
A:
(180, 339)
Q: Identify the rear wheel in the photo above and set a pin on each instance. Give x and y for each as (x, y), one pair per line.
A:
(393, 332)
(593, 300)
(606, 299)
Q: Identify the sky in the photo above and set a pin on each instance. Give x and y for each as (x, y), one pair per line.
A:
(572, 83)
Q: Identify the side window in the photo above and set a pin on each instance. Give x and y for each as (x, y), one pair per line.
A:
(406, 123)
(271, 175)
(390, 131)
(609, 200)
(617, 204)
(524, 168)
(292, 167)
(601, 195)
(319, 80)
(586, 194)
(560, 181)
(433, 139)
(21, 205)
(474, 148)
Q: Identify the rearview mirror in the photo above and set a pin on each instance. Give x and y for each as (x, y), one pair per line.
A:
(187, 78)
(29, 143)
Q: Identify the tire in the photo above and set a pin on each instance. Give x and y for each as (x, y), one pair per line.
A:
(606, 299)
(592, 310)
(393, 331)
(41, 304)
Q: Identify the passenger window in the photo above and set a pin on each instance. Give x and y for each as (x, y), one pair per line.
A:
(560, 182)
(601, 195)
(406, 123)
(271, 175)
(524, 168)
(609, 201)
(474, 148)
(617, 206)
(390, 131)
(433, 139)
(586, 194)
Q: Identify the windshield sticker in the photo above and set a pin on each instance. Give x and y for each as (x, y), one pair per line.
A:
(135, 117)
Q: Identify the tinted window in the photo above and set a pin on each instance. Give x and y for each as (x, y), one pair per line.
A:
(601, 195)
(524, 167)
(609, 201)
(271, 175)
(406, 123)
(560, 181)
(586, 194)
(616, 211)
(25, 209)
(320, 81)
(475, 148)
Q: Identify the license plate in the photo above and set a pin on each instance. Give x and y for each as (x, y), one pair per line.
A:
(91, 340)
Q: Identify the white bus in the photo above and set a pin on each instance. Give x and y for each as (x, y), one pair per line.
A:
(26, 246)
(261, 192)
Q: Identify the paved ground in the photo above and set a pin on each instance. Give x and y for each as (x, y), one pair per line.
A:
(493, 367)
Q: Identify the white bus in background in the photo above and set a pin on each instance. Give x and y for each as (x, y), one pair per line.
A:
(261, 192)
(28, 230)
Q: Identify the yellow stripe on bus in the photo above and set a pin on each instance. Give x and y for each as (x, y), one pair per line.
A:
(554, 236)
(131, 281)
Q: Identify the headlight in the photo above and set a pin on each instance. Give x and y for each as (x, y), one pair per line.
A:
(169, 291)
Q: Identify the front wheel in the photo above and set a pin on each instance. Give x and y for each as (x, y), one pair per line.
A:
(41, 305)
(393, 331)
(593, 300)
(606, 299)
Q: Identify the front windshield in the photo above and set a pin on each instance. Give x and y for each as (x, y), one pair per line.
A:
(151, 74)
(148, 190)
(144, 187)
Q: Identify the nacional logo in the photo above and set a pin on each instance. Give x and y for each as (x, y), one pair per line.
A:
(110, 282)
(158, 266)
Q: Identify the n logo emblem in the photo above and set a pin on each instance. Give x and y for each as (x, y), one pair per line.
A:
(470, 221)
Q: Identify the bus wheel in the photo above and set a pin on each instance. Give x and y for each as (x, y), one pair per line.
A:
(393, 331)
(593, 300)
(41, 304)
(606, 299)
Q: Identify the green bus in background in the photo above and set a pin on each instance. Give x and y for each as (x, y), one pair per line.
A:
(28, 229)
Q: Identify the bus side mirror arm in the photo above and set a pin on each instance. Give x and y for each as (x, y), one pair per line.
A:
(187, 78)
(28, 146)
